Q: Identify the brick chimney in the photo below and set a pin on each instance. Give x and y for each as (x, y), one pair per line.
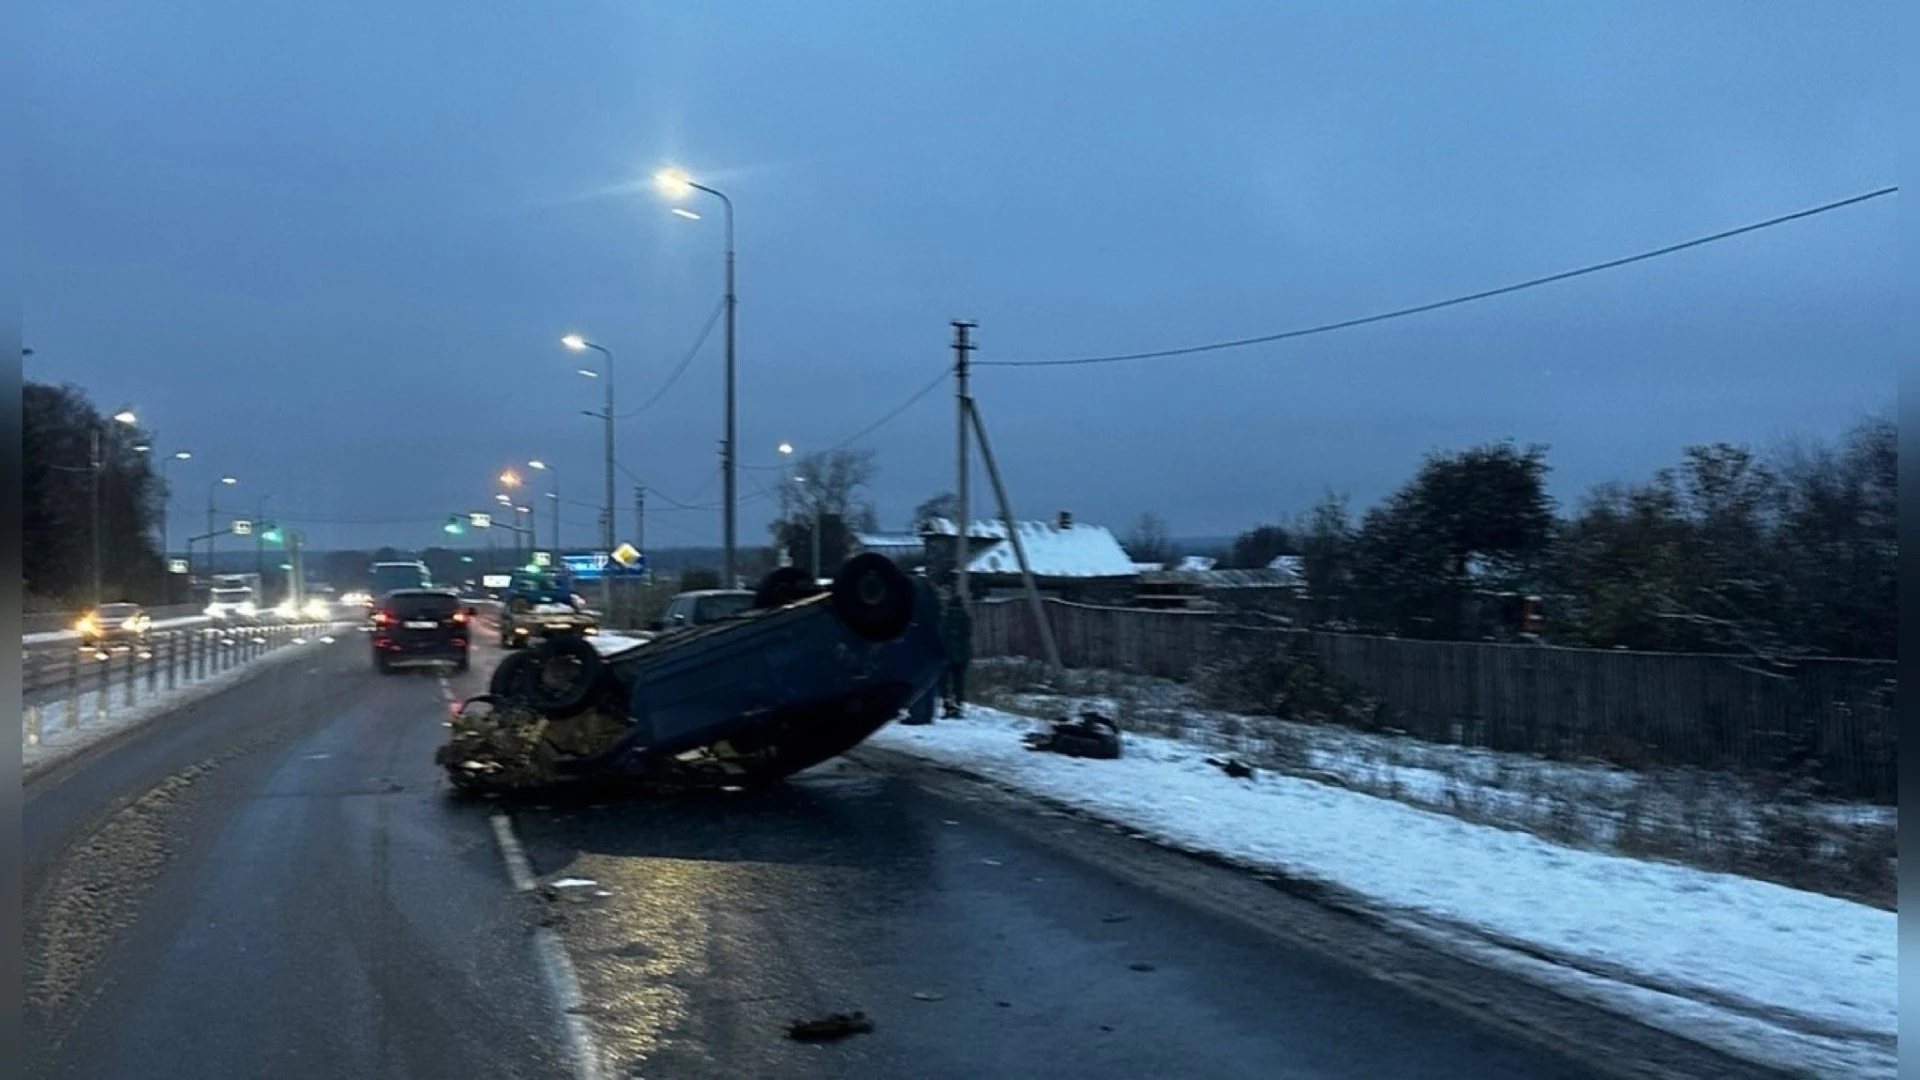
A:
(1066, 519)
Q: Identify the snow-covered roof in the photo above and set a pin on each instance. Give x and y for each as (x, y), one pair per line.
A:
(889, 541)
(1074, 550)
(1149, 567)
(1197, 562)
(1292, 564)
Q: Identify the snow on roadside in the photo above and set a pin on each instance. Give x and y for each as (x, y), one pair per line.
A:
(1804, 979)
(71, 725)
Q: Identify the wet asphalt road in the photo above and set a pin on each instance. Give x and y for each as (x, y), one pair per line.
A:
(275, 884)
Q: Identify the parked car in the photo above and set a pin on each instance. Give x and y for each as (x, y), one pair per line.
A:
(702, 606)
(798, 677)
(114, 623)
(414, 626)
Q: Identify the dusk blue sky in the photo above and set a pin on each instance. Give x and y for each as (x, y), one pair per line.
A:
(330, 247)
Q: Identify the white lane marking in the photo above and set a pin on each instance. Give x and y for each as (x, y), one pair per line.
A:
(446, 689)
(562, 982)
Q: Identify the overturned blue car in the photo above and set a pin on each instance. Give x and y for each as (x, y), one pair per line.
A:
(802, 676)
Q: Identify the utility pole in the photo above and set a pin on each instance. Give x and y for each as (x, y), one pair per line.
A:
(640, 517)
(93, 459)
(962, 345)
(1047, 643)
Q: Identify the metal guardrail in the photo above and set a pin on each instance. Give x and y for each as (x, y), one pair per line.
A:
(121, 677)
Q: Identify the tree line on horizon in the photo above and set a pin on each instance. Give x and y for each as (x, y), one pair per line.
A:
(1788, 554)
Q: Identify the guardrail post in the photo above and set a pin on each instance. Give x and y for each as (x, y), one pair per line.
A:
(73, 683)
(153, 667)
(201, 640)
(101, 702)
(173, 658)
(34, 730)
(132, 677)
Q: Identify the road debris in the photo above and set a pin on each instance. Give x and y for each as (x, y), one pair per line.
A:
(1091, 736)
(928, 995)
(1233, 767)
(829, 1027)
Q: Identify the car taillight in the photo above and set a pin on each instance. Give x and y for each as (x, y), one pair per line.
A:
(383, 617)
(460, 616)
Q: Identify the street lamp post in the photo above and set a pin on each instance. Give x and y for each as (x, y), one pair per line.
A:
(260, 543)
(166, 505)
(553, 476)
(512, 480)
(577, 343)
(213, 486)
(98, 461)
(786, 449)
(675, 182)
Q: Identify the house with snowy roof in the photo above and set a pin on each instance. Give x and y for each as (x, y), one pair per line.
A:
(1070, 560)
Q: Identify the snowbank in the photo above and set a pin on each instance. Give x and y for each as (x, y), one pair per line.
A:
(1792, 978)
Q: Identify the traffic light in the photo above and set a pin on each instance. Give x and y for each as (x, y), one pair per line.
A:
(271, 532)
(454, 526)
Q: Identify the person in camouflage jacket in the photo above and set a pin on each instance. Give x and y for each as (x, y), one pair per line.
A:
(956, 633)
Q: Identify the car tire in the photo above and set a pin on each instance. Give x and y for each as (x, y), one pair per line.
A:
(783, 587)
(523, 675)
(462, 664)
(383, 665)
(873, 597)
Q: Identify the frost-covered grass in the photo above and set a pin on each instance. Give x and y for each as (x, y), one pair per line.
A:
(1708, 820)
(1789, 977)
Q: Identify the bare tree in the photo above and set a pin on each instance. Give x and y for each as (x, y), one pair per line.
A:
(1150, 540)
(944, 505)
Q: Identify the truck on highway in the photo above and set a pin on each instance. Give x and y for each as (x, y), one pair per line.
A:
(388, 576)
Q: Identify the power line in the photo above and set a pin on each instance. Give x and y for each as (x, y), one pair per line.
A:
(894, 412)
(680, 368)
(1438, 304)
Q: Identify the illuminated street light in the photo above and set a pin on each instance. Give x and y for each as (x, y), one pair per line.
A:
(577, 344)
(553, 475)
(510, 478)
(675, 183)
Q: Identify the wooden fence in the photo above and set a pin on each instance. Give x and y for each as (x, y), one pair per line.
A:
(1631, 708)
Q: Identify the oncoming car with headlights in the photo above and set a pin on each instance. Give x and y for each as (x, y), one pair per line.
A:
(111, 623)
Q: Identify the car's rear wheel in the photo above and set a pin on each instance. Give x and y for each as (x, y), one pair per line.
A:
(784, 586)
(873, 597)
(382, 664)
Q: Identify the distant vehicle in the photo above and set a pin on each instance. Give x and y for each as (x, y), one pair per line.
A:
(703, 606)
(540, 604)
(231, 604)
(388, 576)
(110, 623)
(421, 626)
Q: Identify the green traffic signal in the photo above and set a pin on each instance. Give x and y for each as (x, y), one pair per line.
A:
(271, 534)
(454, 526)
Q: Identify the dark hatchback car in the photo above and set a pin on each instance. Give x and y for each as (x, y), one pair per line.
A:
(800, 675)
(421, 626)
